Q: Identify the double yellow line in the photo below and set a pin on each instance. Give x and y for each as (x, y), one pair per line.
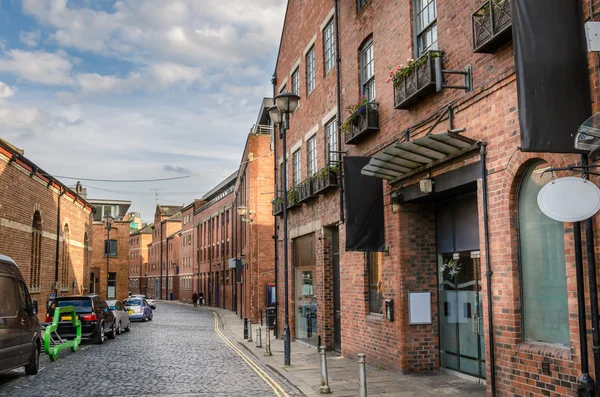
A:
(277, 389)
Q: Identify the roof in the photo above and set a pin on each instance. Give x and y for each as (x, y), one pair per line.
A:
(168, 210)
(177, 217)
(263, 113)
(145, 230)
(221, 187)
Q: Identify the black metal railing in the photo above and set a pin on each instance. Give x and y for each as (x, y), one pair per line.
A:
(324, 179)
(293, 198)
(277, 206)
(418, 83)
(304, 191)
(491, 25)
(362, 122)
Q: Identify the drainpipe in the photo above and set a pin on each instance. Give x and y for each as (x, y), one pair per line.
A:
(339, 106)
(276, 195)
(198, 253)
(161, 262)
(488, 272)
(61, 192)
(167, 262)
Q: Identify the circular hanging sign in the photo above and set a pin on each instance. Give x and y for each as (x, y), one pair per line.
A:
(569, 199)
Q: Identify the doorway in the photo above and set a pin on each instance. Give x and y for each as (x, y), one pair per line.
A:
(337, 316)
(305, 298)
(462, 346)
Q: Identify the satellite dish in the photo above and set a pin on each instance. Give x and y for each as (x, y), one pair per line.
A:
(569, 199)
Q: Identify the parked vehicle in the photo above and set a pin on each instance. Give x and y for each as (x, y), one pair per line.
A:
(138, 309)
(20, 331)
(97, 321)
(121, 316)
(151, 302)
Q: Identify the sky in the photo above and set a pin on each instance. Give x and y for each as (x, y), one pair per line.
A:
(136, 89)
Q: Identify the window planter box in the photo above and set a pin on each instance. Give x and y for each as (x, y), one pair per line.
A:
(419, 84)
(361, 123)
(293, 198)
(492, 24)
(278, 206)
(325, 179)
(305, 191)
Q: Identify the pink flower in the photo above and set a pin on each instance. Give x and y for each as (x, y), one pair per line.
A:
(388, 80)
(397, 68)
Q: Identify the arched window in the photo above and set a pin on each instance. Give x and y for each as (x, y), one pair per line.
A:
(543, 269)
(66, 259)
(36, 252)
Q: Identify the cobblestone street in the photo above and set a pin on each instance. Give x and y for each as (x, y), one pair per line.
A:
(178, 353)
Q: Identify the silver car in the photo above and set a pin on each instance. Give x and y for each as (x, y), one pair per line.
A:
(138, 309)
(151, 302)
(121, 316)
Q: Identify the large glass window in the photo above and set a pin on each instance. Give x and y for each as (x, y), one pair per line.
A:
(296, 82)
(367, 75)
(312, 156)
(8, 297)
(296, 170)
(374, 272)
(310, 71)
(305, 266)
(426, 26)
(331, 135)
(543, 269)
(329, 46)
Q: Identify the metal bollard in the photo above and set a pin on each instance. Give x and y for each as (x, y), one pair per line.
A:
(268, 345)
(249, 330)
(324, 389)
(362, 375)
(258, 337)
(245, 328)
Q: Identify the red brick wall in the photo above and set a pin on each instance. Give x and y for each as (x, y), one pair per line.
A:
(138, 249)
(20, 196)
(119, 264)
(187, 256)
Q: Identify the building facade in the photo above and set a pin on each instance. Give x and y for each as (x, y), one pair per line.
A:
(138, 259)
(45, 227)
(109, 270)
(446, 260)
(188, 257)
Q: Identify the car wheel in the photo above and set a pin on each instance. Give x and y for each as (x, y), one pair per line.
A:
(34, 365)
(144, 318)
(119, 329)
(100, 337)
(151, 316)
(113, 332)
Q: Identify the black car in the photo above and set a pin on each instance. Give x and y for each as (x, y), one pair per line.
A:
(97, 321)
(20, 332)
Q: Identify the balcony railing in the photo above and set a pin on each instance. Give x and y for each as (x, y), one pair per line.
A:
(261, 129)
(304, 191)
(325, 179)
(418, 84)
(278, 206)
(361, 123)
(293, 198)
(491, 25)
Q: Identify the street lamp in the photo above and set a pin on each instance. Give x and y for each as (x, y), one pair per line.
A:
(285, 103)
(108, 220)
(245, 215)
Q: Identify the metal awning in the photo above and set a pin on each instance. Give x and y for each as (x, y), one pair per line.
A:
(404, 159)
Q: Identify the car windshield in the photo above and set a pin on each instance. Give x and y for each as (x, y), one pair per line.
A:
(81, 305)
(133, 302)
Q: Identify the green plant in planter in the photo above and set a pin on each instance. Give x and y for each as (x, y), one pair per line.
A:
(401, 71)
(353, 110)
(324, 172)
(486, 10)
(292, 196)
(277, 201)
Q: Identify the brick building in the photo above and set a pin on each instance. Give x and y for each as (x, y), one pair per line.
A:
(458, 207)
(138, 259)
(109, 269)
(167, 220)
(44, 226)
(188, 253)
(253, 243)
(213, 225)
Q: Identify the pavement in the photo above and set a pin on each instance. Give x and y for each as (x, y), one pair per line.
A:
(180, 352)
(305, 372)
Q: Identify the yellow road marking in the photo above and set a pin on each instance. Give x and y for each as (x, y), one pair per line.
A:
(279, 391)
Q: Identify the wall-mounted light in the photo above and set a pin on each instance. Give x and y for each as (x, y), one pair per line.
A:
(426, 186)
(245, 214)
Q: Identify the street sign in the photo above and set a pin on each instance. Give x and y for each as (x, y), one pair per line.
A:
(569, 199)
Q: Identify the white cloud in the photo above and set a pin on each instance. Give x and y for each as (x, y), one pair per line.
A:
(31, 38)
(5, 90)
(38, 66)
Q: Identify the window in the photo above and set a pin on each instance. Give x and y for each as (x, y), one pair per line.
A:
(8, 297)
(110, 247)
(329, 46)
(426, 26)
(367, 71)
(331, 136)
(374, 271)
(312, 156)
(112, 285)
(310, 71)
(26, 305)
(296, 169)
(543, 269)
(66, 259)
(361, 4)
(296, 82)
(36, 252)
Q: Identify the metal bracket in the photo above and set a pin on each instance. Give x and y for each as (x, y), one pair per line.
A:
(581, 169)
(440, 73)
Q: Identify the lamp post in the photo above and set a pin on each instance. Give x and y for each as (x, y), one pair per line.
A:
(285, 103)
(108, 220)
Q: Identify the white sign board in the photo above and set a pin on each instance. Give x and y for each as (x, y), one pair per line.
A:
(569, 199)
(592, 34)
(419, 308)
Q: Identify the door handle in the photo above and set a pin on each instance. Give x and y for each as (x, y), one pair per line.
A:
(22, 321)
